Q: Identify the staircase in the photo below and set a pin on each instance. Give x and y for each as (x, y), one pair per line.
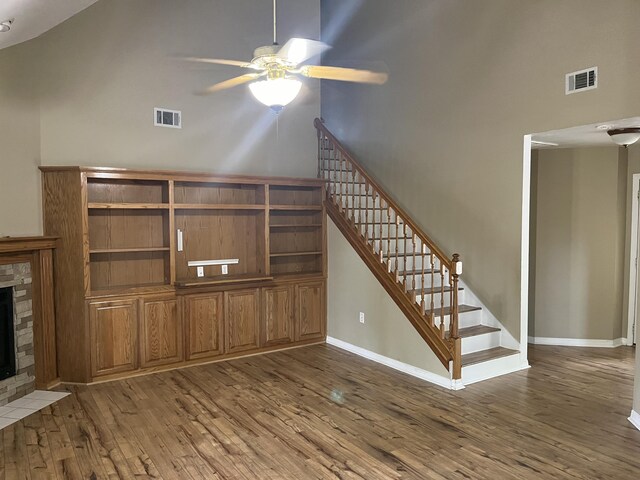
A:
(422, 280)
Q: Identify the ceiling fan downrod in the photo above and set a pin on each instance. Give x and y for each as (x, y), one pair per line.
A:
(275, 38)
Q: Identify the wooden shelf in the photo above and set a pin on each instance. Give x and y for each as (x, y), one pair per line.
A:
(128, 206)
(221, 206)
(223, 279)
(129, 250)
(294, 254)
(298, 275)
(296, 207)
(310, 225)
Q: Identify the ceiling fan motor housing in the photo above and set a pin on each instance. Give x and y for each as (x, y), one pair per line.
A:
(266, 50)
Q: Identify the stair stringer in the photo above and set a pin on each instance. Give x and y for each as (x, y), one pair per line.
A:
(378, 270)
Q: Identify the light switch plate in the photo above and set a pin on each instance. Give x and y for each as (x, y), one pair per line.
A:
(225, 269)
(200, 271)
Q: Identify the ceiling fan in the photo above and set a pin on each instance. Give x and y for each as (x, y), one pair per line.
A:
(274, 80)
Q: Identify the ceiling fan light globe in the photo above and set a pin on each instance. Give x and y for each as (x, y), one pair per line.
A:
(276, 93)
(625, 139)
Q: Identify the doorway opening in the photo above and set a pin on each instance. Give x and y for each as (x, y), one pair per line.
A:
(580, 237)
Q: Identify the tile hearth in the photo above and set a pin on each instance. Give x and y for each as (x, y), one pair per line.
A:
(25, 406)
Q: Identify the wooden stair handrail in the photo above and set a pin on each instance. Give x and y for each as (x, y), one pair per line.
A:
(444, 258)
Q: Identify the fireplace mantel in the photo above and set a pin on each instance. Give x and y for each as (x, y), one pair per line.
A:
(39, 252)
(26, 244)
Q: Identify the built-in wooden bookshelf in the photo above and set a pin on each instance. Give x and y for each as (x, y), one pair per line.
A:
(130, 242)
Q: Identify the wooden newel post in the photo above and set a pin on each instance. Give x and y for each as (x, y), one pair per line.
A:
(456, 343)
(456, 270)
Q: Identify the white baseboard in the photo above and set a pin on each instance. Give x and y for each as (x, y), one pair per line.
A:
(431, 377)
(578, 342)
(635, 419)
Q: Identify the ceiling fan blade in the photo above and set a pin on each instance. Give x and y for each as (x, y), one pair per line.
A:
(298, 50)
(344, 74)
(232, 82)
(221, 61)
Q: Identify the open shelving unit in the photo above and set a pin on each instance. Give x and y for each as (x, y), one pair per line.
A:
(128, 230)
(296, 230)
(274, 228)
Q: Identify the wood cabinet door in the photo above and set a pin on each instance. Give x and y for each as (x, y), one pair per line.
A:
(310, 311)
(113, 328)
(161, 331)
(242, 319)
(277, 315)
(204, 315)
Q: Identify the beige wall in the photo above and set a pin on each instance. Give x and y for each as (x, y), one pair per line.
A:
(467, 81)
(100, 74)
(580, 220)
(19, 145)
(386, 331)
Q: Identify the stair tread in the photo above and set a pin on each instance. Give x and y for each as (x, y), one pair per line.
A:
(476, 330)
(439, 312)
(408, 254)
(394, 238)
(436, 290)
(418, 272)
(486, 355)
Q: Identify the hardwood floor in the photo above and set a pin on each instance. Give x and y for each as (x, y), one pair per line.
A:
(319, 412)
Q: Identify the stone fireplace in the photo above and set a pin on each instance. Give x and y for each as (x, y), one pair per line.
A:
(16, 288)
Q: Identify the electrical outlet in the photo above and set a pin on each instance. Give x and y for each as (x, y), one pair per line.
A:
(200, 271)
(361, 317)
(225, 269)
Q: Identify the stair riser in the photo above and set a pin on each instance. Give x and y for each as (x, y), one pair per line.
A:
(466, 319)
(478, 343)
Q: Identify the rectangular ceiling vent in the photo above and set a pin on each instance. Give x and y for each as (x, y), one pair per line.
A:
(163, 117)
(582, 80)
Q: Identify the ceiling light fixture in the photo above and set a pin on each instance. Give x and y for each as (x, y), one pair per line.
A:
(278, 90)
(625, 136)
(5, 26)
(276, 93)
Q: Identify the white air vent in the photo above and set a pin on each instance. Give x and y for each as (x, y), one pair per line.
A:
(167, 118)
(582, 80)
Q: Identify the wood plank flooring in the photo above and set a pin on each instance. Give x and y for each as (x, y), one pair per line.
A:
(319, 412)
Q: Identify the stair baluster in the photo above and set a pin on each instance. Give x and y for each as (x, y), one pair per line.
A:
(388, 238)
(413, 263)
(366, 212)
(423, 301)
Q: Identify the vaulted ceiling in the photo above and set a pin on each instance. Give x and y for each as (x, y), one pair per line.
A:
(34, 17)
